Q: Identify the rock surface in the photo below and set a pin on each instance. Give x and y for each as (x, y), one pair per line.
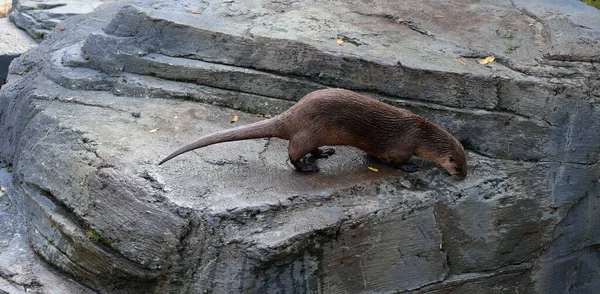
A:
(13, 42)
(87, 115)
(40, 17)
(21, 270)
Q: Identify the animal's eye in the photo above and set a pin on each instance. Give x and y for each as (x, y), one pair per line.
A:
(452, 159)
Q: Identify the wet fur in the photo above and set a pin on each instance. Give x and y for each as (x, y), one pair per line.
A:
(342, 117)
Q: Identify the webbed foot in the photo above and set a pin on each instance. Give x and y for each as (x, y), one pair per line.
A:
(302, 166)
(323, 152)
(409, 167)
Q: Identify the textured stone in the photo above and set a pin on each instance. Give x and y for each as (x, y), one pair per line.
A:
(21, 270)
(39, 18)
(13, 42)
(123, 86)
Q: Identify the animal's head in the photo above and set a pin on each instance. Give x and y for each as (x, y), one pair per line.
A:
(455, 161)
(442, 148)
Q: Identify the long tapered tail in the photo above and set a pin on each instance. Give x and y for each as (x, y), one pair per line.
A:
(261, 129)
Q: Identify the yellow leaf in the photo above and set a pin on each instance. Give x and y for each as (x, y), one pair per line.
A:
(5, 8)
(487, 60)
(61, 29)
(196, 12)
(372, 169)
(339, 41)
(154, 130)
(234, 118)
(458, 61)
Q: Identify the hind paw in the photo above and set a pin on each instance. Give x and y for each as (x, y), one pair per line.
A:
(323, 152)
(409, 167)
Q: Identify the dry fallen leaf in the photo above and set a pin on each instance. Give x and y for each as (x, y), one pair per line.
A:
(196, 12)
(343, 38)
(2, 190)
(47, 132)
(372, 169)
(487, 60)
(260, 115)
(61, 29)
(234, 118)
(458, 61)
(5, 8)
(70, 98)
(154, 130)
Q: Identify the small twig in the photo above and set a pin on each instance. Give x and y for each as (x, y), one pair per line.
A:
(362, 271)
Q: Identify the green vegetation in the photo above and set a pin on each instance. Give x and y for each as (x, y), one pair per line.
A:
(594, 3)
(93, 236)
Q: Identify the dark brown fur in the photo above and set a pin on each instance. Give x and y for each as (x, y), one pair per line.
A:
(342, 117)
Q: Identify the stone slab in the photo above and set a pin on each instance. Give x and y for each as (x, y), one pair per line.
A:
(21, 270)
(88, 115)
(13, 42)
(39, 18)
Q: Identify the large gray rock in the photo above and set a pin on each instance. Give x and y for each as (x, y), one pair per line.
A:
(39, 17)
(21, 270)
(120, 88)
(13, 42)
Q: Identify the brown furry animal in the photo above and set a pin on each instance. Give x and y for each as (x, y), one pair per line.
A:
(343, 117)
